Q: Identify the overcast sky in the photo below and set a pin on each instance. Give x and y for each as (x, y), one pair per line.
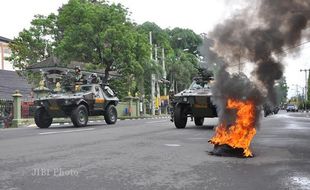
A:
(198, 15)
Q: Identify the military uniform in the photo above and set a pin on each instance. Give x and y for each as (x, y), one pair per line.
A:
(95, 79)
(79, 79)
(171, 104)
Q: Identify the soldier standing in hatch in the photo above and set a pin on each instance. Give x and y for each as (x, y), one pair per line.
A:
(171, 104)
(78, 76)
(79, 79)
(94, 79)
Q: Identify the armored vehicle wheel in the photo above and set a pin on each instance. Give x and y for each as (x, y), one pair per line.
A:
(198, 121)
(180, 117)
(110, 116)
(79, 116)
(42, 119)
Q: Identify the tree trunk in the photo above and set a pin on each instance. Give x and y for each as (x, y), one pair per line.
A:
(106, 73)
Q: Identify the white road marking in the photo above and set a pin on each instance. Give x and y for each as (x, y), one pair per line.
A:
(71, 131)
(156, 121)
(198, 138)
(172, 145)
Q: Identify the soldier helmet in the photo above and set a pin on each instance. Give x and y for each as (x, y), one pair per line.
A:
(77, 68)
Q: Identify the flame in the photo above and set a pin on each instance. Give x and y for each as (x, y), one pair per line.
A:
(241, 133)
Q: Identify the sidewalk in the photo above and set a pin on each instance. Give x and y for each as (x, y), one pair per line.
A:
(300, 114)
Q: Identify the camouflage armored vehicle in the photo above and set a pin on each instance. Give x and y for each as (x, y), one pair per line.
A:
(194, 102)
(89, 100)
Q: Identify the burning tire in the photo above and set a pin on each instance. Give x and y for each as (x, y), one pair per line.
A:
(79, 116)
(42, 118)
(110, 116)
(199, 121)
(180, 117)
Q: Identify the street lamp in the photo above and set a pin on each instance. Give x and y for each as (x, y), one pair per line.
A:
(306, 82)
(298, 97)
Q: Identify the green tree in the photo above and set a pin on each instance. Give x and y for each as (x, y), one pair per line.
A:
(98, 33)
(183, 63)
(180, 52)
(101, 35)
(185, 39)
(161, 38)
(181, 69)
(281, 89)
(134, 73)
(34, 44)
(93, 32)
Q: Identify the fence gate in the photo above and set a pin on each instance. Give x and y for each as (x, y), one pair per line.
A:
(28, 109)
(6, 113)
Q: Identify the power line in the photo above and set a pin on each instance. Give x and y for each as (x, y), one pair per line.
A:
(287, 50)
(282, 52)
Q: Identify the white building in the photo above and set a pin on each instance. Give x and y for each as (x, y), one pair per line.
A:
(5, 52)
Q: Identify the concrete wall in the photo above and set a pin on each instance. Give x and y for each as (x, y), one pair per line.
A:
(121, 108)
(124, 110)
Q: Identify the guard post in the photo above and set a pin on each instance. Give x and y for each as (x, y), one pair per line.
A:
(17, 108)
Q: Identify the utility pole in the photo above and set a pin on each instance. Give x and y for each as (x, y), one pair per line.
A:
(151, 43)
(158, 103)
(297, 93)
(164, 75)
(239, 64)
(152, 80)
(2, 55)
(164, 70)
(306, 83)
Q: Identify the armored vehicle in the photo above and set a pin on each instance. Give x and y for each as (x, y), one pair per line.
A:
(270, 109)
(194, 102)
(88, 100)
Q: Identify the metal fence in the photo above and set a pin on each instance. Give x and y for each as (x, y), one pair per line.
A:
(28, 109)
(6, 113)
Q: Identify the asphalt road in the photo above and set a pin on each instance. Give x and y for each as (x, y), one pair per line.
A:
(152, 154)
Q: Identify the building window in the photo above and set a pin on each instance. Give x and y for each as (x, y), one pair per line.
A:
(7, 51)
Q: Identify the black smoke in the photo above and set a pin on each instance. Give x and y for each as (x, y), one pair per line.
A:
(261, 34)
